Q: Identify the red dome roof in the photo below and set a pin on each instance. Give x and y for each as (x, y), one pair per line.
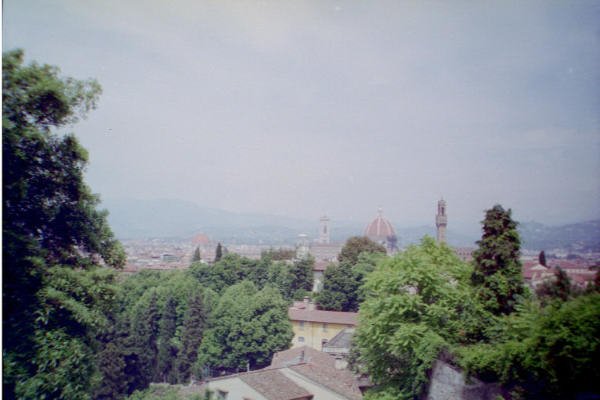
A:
(380, 228)
(201, 239)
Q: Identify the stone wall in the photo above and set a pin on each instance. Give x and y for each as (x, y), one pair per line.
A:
(448, 383)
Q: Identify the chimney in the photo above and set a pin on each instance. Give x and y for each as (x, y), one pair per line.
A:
(340, 363)
(306, 302)
(311, 306)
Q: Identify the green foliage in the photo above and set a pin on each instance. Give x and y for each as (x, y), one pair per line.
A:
(194, 324)
(342, 282)
(196, 257)
(252, 325)
(416, 304)
(278, 254)
(218, 252)
(356, 245)
(497, 274)
(546, 352)
(111, 366)
(167, 348)
(340, 289)
(53, 237)
(145, 331)
(64, 368)
(301, 282)
(558, 288)
(154, 393)
(228, 271)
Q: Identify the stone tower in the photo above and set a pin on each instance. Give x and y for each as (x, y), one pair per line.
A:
(324, 230)
(302, 249)
(441, 220)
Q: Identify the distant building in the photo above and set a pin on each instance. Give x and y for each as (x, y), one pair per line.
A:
(318, 271)
(325, 252)
(324, 230)
(314, 327)
(441, 221)
(381, 231)
(302, 246)
(464, 253)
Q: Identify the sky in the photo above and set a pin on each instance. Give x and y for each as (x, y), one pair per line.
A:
(305, 108)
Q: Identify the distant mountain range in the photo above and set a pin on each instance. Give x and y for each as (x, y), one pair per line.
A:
(162, 218)
(579, 237)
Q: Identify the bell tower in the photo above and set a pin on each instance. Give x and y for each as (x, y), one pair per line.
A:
(441, 220)
(324, 230)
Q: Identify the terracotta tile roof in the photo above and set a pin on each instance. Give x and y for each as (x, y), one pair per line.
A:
(339, 381)
(330, 317)
(379, 228)
(299, 355)
(274, 385)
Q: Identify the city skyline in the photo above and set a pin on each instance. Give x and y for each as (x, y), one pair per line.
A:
(306, 109)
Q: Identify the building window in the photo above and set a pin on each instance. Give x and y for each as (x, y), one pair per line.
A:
(300, 339)
(301, 325)
(324, 327)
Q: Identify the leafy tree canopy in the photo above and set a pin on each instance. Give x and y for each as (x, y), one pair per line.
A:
(252, 326)
(544, 352)
(356, 245)
(52, 313)
(416, 304)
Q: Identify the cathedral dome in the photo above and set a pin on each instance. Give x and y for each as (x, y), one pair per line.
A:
(380, 229)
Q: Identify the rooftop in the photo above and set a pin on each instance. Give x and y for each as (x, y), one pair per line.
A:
(300, 311)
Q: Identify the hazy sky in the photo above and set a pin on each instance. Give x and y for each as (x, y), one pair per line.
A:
(302, 108)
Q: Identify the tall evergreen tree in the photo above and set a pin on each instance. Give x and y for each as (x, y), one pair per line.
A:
(218, 252)
(167, 351)
(112, 366)
(194, 324)
(145, 332)
(497, 268)
(542, 258)
(196, 257)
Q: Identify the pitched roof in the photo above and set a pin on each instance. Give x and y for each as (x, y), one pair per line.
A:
(329, 317)
(274, 385)
(342, 340)
(299, 355)
(340, 381)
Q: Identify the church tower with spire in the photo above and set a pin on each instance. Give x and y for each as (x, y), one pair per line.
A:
(441, 220)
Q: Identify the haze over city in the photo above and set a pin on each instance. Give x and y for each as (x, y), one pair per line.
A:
(309, 108)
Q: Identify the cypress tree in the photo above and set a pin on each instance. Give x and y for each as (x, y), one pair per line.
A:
(196, 257)
(497, 273)
(112, 366)
(542, 258)
(145, 329)
(193, 328)
(167, 352)
(218, 252)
